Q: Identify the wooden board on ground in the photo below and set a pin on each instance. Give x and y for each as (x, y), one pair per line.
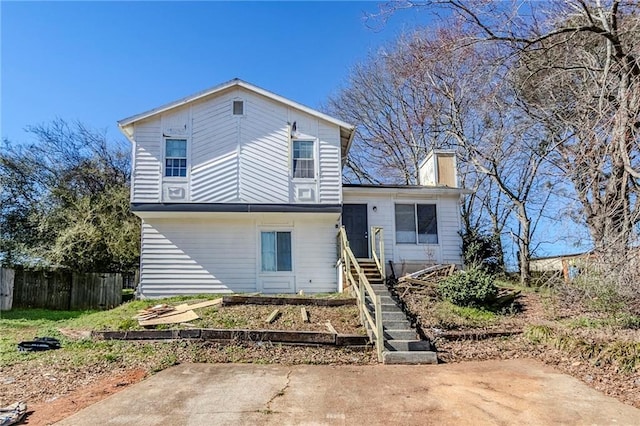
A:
(420, 282)
(214, 302)
(304, 314)
(272, 300)
(431, 271)
(171, 319)
(164, 311)
(273, 316)
(331, 328)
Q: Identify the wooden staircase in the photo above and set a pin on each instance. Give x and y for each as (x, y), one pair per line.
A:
(401, 342)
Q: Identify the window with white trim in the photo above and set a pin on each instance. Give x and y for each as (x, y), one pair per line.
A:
(175, 157)
(416, 224)
(303, 160)
(275, 247)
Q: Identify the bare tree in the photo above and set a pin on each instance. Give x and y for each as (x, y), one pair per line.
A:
(438, 88)
(578, 73)
(395, 122)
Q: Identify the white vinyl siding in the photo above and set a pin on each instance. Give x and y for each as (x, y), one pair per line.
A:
(216, 253)
(449, 246)
(329, 164)
(264, 153)
(214, 152)
(239, 159)
(146, 176)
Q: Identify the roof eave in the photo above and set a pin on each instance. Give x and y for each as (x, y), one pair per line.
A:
(236, 83)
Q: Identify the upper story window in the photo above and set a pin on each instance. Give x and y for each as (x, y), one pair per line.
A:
(303, 162)
(175, 158)
(416, 224)
(238, 107)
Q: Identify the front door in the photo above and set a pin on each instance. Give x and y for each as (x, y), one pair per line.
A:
(354, 219)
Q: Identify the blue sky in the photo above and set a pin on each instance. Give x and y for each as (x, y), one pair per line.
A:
(99, 62)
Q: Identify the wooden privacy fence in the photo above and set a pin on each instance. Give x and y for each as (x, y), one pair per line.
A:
(60, 290)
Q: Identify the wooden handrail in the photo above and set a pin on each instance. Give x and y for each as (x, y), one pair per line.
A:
(377, 249)
(362, 288)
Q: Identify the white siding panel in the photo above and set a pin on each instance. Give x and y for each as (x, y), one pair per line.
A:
(329, 162)
(449, 227)
(216, 181)
(193, 256)
(147, 166)
(316, 254)
(221, 254)
(214, 151)
(264, 152)
(448, 249)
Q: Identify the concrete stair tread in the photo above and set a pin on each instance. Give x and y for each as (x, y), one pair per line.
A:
(409, 357)
(413, 345)
(394, 334)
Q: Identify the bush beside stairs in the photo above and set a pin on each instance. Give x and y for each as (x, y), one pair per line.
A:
(401, 342)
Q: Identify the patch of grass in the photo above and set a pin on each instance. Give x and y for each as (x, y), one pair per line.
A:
(622, 354)
(621, 320)
(448, 315)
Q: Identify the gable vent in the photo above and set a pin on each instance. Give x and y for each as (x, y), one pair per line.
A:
(238, 107)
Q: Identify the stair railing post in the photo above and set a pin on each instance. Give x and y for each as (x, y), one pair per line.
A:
(372, 233)
(361, 300)
(382, 262)
(379, 329)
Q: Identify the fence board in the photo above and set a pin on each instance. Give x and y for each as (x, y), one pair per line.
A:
(95, 290)
(66, 290)
(41, 289)
(6, 288)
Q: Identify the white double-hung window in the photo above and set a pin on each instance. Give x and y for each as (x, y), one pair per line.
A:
(175, 157)
(416, 224)
(303, 160)
(275, 247)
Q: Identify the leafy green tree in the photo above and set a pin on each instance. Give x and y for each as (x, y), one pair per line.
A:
(65, 201)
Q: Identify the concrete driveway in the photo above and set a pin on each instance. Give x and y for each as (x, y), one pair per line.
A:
(522, 392)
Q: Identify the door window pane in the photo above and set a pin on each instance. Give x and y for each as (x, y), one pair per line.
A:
(284, 251)
(276, 251)
(268, 251)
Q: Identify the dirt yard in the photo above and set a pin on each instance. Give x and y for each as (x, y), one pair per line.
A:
(57, 383)
(459, 335)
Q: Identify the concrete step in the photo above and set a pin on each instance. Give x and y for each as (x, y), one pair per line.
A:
(393, 316)
(399, 334)
(379, 288)
(389, 313)
(396, 325)
(407, 345)
(407, 357)
(386, 307)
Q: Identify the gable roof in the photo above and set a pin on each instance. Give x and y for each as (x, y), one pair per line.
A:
(347, 130)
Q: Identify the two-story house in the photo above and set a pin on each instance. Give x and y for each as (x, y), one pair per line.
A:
(240, 190)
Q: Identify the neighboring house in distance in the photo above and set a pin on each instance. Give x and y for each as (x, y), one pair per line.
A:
(569, 265)
(240, 190)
